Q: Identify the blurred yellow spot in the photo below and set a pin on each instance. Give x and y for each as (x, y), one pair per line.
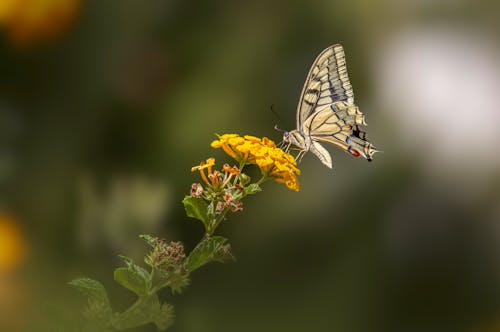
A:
(12, 247)
(28, 22)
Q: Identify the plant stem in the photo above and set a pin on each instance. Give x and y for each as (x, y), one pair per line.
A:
(151, 278)
(262, 179)
(217, 222)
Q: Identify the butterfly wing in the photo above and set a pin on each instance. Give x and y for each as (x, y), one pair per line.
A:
(326, 111)
(326, 83)
(339, 124)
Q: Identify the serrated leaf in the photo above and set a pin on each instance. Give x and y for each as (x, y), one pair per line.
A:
(133, 277)
(151, 240)
(196, 208)
(164, 317)
(93, 289)
(98, 310)
(177, 281)
(244, 179)
(252, 189)
(143, 312)
(212, 249)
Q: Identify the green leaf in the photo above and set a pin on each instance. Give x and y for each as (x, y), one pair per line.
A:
(93, 289)
(98, 310)
(252, 189)
(164, 316)
(196, 208)
(177, 281)
(212, 249)
(151, 240)
(133, 277)
(146, 310)
(244, 179)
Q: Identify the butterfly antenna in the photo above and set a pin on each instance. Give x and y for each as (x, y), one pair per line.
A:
(278, 129)
(275, 113)
(281, 144)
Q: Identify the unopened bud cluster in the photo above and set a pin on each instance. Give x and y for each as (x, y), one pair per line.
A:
(165, 255)
(175, 252)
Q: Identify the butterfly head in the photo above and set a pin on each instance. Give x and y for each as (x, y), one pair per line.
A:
(294, 137)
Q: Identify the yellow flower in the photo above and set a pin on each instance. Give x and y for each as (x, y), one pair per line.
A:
(228, 142)
(201, 167)
(272, 161)
(208, 164)
(29, 22)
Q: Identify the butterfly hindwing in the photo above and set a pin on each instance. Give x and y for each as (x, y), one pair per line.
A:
(332, 118)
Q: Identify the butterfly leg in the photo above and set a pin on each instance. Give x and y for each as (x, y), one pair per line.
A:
(287, 147)
(301, 155)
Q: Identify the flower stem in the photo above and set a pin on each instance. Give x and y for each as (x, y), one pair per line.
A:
(262, 179)
(217, 222)
(151, 278)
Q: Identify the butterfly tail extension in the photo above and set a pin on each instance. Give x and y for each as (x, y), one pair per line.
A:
(359, 145)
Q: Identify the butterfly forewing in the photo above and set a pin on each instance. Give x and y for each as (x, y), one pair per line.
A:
(326, 83)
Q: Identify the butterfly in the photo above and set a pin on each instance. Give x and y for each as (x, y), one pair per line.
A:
(326, 111)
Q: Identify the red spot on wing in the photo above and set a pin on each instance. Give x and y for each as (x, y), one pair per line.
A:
(354, 152)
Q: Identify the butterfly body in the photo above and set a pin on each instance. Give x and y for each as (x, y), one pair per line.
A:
(327, 113)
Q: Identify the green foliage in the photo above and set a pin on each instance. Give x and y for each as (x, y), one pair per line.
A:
(98, 310)
(151, 240)
(210, 214)
(93, 289)
(244, 179)
(168, 265)
(144, 311)
(169, 268)
(197, 208)
(133, 278)
(177, 280)
(210, 249)
(252, 189)
(163, 315)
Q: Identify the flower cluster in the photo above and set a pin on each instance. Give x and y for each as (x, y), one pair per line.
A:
(165, 255)
(220, 192)
(272, 161)
(225, 188)
(213, 179)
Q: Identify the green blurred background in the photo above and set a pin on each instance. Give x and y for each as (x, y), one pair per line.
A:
(101, 121)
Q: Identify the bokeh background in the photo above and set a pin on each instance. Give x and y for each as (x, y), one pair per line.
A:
(105, 106)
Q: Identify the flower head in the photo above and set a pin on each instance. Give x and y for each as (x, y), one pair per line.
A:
(272, 161)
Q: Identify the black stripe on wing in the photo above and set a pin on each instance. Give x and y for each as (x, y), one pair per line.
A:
(327, 83)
